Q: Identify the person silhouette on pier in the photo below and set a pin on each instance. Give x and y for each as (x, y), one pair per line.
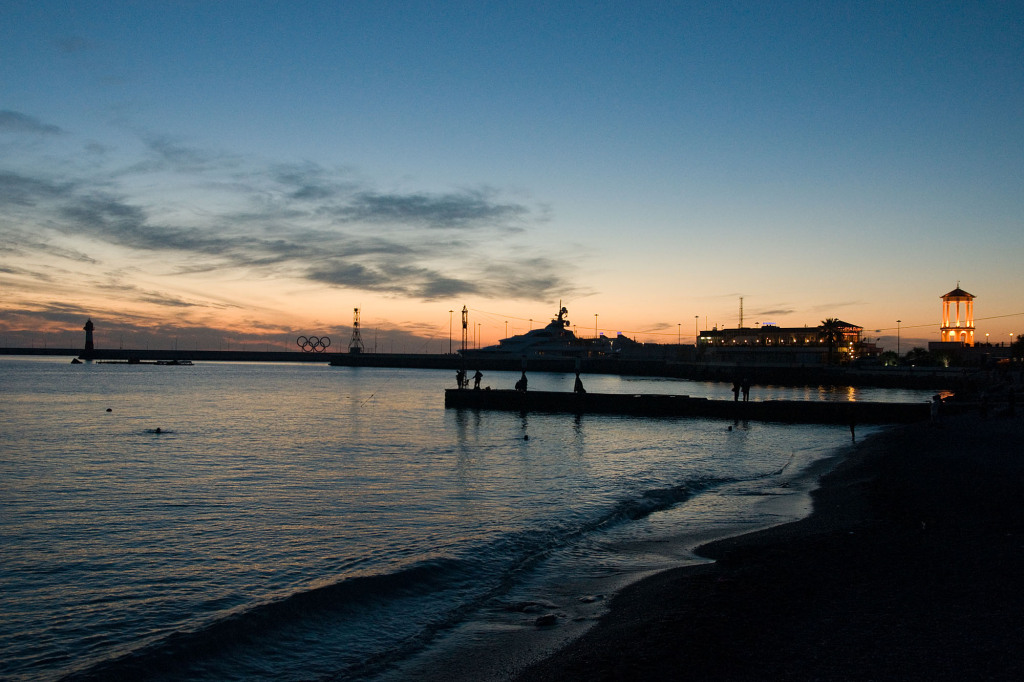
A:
(460, 378)
(746, 389)
(476, 380)
(578, 386)
(521, 384)
(736, 390)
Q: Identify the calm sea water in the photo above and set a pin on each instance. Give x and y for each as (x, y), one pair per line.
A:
(308, 522)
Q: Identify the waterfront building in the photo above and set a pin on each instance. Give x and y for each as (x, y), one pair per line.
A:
(769, 344)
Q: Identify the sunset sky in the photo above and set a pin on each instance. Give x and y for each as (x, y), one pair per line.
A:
(221, 173)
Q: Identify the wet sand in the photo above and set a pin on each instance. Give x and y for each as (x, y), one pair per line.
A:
(911, 567)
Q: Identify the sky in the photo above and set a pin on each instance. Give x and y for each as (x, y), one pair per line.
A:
(229, 175)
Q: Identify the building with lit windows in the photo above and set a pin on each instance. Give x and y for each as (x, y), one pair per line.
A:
(769, 344)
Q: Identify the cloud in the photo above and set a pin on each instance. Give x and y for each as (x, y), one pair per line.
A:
(168, 154)
(15, 122)
(456, 210)
(775, 312)
(156, 297)
(20, 190)
(310, 182)
(209, 212)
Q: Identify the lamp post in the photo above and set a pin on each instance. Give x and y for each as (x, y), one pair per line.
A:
(679, 334)
(595, 325)
(898, 339)
(450, 331)
(506, 329)
(696, 333)
(986, 339)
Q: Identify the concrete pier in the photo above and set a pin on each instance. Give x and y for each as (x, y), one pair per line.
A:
(655, 405)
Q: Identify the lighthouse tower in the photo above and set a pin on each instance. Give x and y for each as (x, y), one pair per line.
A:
(955, 328)
(88, 335)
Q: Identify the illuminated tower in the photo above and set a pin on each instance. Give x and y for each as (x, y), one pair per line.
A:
(957, 329)
(356, 344)
(88, 335)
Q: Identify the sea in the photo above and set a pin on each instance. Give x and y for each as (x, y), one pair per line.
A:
(230, 521)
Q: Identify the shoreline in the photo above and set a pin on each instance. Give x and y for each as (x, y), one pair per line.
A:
(489, 650)
(907, 568)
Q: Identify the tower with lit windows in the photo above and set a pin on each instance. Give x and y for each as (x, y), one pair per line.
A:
(955, 328)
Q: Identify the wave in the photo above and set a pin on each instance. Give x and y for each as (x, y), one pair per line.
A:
(359, 625)
(260, 624)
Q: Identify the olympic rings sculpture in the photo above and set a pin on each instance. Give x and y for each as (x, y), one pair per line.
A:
(313, 344)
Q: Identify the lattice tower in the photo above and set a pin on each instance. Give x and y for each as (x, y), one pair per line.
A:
(356, 344)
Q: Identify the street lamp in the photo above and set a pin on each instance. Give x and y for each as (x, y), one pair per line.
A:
(696, 334)
(898, 338)
(595, 325)
(450, 331)
(679, 334)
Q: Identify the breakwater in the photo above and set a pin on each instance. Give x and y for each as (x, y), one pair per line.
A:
(656, 405)
(931, 378)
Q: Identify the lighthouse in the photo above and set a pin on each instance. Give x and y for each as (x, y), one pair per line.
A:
(88, 335)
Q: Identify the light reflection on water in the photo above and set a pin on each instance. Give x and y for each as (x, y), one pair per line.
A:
(270, 481)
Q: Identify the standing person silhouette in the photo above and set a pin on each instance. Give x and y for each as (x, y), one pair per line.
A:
(578, 386)
(476, 380)
(521, 384)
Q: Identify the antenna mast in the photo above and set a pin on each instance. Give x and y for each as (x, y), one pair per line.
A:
(741, 312)
(356, 344)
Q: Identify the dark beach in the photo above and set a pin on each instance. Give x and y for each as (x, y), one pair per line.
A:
(910, 567)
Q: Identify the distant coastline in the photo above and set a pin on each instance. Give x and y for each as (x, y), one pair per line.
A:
(952, 379)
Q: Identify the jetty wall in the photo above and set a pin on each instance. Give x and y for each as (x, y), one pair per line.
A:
(932, 378)
(656, 405)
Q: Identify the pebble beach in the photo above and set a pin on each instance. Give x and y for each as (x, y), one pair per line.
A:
(910, 567)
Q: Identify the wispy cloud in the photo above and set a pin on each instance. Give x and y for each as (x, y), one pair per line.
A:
(463, 210)
(775, 312)
(205, 211)
(15, 122)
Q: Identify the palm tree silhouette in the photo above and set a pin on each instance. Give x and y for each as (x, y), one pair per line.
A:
(831, 334)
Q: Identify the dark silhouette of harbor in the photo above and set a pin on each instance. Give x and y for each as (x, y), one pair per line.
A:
(932, 378)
